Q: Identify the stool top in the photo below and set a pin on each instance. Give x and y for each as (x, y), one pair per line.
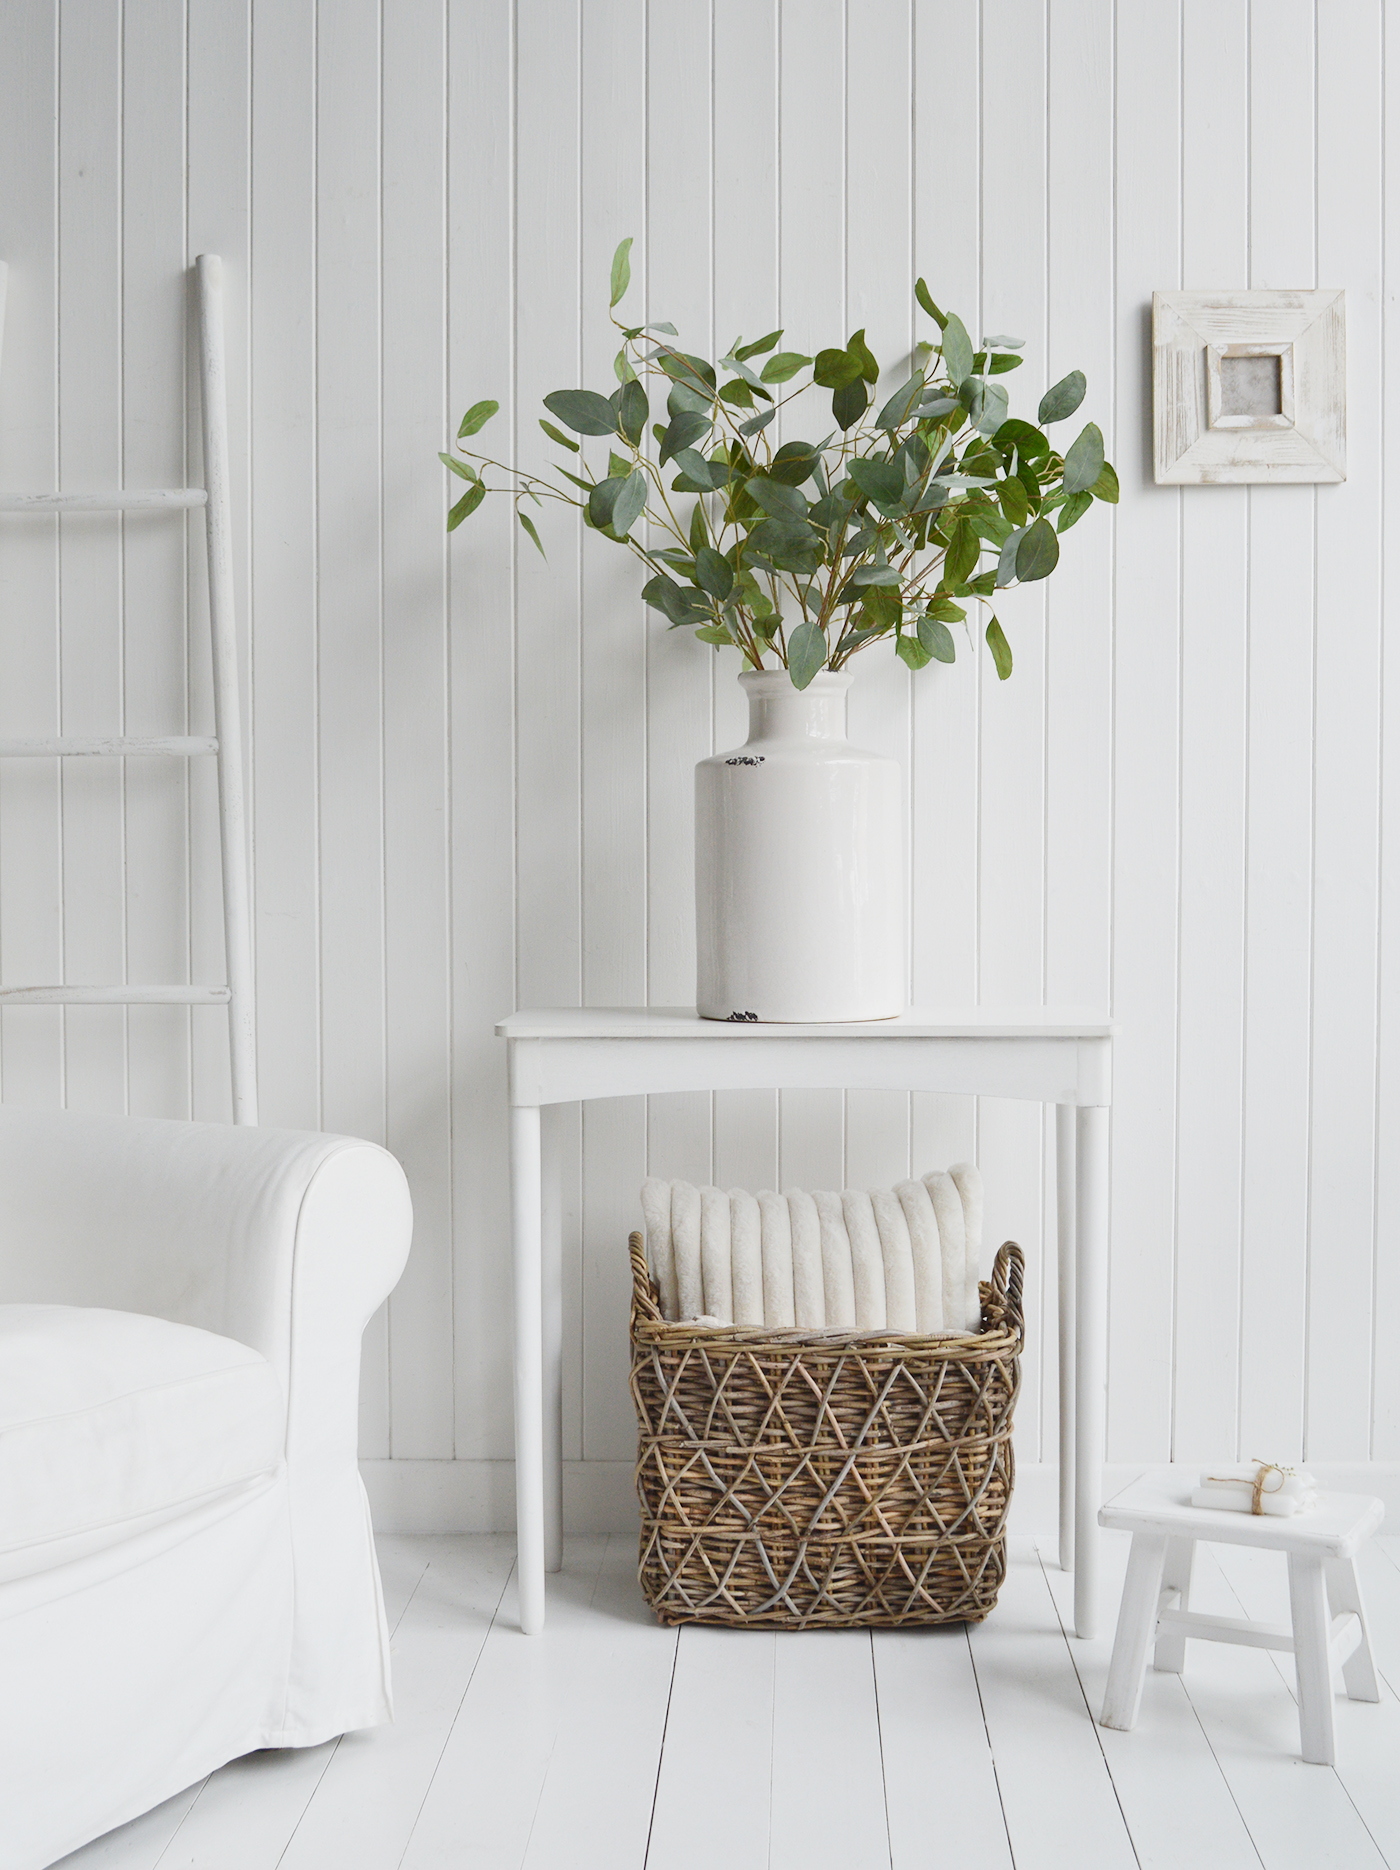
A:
(1161, 1502)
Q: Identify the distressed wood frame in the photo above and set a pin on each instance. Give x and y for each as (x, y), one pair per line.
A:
(1194, 441)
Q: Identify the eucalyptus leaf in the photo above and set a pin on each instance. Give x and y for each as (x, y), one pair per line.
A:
(957, 350)
(629, 503)
(692, 371)
(910, 650)
(1006, 564)
(900, 408)
(476, 417)
(755, 423)
(621, 271)
(1038, 553)
(937, 406)
(964, 551)
(1084, 461)
(699, 532)
(584, 411)
(857, 347)
(632, 411)
(1015, 501)
(557, 435)
(788, 544)
(459, 468)
(778, 499)
(806, 654)
(711, 633)
(1000, 648)
(991, 412)
(1000, 365)
(684, 431)
(922, 294)
(848, 404)
(705, 474)
(603, 499)
(1106, 486)
(835, 369)
(671, 599)
(1062, 399)
(683, 399)
(529, 526)
(758, 347)
(1073, 509)
(784, 366)
(879, 480)
(714, 573)
(1028, 441)
(794, 463)
(468, 503)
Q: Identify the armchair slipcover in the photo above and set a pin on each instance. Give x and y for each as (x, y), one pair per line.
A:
(181, 1581)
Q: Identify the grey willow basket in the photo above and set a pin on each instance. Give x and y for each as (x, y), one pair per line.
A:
(817, 1480)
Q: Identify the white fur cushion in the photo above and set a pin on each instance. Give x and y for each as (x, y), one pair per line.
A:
(900, 1259)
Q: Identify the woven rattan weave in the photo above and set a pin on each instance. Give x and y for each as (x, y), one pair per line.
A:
(815, 1480)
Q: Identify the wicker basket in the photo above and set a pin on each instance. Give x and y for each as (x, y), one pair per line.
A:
(817, 1480)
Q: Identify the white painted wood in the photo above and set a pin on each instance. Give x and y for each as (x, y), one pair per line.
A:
(1344, 1599)
(930, 1710)
(119, 500)
(826, 1733)
(1194, 440)
(114, 996)
(1169, 1650)
(1090, 1356)
(719, 1733)
(1308, 1594)
(531, 1481)
(1137, 1627)
(1180, 1625)
(1065, 1143)
(67, 746)
(1159, 1503)
(1057, 1797)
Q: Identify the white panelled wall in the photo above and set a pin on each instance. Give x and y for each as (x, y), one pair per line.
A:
(472, 771)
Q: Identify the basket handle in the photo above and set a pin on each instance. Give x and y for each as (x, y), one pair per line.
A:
(644, 1298)
(1008, 1277)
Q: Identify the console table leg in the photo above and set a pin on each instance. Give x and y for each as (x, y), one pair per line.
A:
(552, 1249)
(1091, 1356)
(1064, 1213)
(526, 1248)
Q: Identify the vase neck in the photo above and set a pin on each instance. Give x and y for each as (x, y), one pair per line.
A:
(778, 711)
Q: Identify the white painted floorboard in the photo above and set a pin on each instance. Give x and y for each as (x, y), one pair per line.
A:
(613, 1742)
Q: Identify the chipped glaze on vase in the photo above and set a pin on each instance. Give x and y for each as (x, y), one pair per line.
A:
(799, 865)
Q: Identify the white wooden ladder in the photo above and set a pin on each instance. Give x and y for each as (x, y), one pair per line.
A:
(227, 741)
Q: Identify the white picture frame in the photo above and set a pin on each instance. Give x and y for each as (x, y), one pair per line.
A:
(1248, 387)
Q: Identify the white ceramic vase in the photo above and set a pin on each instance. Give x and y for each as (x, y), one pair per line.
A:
(799, 865)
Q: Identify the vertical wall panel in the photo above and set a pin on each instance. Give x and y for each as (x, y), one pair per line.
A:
(481, 199)
(31, 888)
(1214, 533)
(1278, 955)
(90, 545)
(1346, 791)
(154, 569)
(1146, 638)
(472, 771)
(416, 835)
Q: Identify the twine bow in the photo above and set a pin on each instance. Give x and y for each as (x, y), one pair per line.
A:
(1265, 1468)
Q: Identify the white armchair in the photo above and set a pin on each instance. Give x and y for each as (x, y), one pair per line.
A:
(186, 1564)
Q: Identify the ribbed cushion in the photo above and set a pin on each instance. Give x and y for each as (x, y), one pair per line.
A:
(108, 1416)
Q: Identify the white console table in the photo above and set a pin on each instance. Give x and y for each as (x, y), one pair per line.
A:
(558, 1056)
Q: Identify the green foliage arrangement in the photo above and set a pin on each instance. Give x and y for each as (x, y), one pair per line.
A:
(806, 553)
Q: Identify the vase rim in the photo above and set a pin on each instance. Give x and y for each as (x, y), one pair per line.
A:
(778, 681)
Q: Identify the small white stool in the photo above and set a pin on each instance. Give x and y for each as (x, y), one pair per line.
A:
(1329, 1618)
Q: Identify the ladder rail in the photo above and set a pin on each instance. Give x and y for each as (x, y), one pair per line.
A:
(226, 743)
(228, 726)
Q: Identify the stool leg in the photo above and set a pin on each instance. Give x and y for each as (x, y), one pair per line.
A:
(1170, 1653)
(1311, 1651)
(1344, 1593)
(1137, 1619)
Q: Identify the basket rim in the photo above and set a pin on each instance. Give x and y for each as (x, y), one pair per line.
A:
(1001, 1294)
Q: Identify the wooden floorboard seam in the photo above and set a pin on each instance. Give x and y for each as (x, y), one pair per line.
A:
(991, 1750)
(461, 1702)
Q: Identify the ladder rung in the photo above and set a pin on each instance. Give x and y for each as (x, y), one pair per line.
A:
(175, 746)
(117, 500)
(114, 996)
